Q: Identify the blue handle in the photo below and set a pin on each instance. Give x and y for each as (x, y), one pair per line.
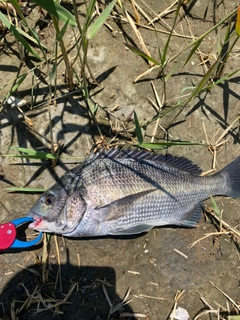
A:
(17, 222)
(24, 244)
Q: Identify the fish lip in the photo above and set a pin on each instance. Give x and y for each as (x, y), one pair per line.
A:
(37, 219)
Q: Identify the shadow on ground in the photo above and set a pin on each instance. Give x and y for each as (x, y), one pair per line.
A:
(69, 292)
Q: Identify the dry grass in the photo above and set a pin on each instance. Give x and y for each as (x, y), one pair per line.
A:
(216, 144)
(224, 229)
(220, 311)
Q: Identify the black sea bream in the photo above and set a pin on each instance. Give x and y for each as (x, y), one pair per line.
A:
(122, 192)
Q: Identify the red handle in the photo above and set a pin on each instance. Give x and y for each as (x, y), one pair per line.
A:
(7, 235)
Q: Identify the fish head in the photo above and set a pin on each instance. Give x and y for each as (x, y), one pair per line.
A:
(57, 211)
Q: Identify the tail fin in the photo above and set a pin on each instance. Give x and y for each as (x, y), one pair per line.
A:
(231, 173)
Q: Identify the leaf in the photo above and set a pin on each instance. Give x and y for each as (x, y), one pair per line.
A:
(177, 64)
(57, 11)
(150, 146)
(18, 36)
(215, 207)
(34, 40)
(29, 156)
(227, 76)
(138, 129)
(20, 189)
(165, 50)
(194, 48)
(164, 145)
(53, 71)
(48, 237)
(238, 22)
(204, 81)
(19, 80)
(226, 18)
(93, 29)
(90, 9)
(62, 32)
(30, 153)
(142, 54)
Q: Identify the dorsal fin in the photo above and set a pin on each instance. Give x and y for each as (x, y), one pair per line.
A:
(180, 163)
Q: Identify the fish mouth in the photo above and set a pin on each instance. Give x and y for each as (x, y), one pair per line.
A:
(36, 222)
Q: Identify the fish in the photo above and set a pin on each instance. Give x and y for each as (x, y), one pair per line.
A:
(129, 191)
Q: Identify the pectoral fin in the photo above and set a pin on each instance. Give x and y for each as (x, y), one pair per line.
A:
(118, 208)
(133, 230)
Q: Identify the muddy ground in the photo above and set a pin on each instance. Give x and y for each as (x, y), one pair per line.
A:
(155, 266)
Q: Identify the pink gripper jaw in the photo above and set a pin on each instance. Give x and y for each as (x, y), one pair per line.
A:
(7, 235)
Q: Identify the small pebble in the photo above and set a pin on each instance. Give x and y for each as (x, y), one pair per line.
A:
(180, 314)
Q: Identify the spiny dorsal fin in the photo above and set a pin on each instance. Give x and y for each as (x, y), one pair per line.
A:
(180, 163)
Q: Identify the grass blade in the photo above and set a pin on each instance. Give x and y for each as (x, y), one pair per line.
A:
(138, 129)
(19, 80)
(30, 153)
(166, 47)
(52, 73)
(18, 36)
(164, 145)
(26, 35)
(57, 11)
(194, 48)
(93, 29)
(90, 9)
(62, 31)
(215, 207)
(174, 68)
(238, 22)
(229, 16)
(29, 156)
(142, 54)
(20, 189)
(227, 76)
(204, 81)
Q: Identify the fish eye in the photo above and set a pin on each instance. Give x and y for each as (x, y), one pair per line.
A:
(49, 199)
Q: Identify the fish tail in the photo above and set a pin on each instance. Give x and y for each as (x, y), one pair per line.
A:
(231, 174)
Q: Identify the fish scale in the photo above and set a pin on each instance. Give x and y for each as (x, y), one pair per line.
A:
(122, 192)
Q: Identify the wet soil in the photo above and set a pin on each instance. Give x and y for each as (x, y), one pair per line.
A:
(158, 265)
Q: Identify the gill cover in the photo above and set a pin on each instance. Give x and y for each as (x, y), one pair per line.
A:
(73, 212)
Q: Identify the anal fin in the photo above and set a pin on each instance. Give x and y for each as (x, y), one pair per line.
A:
(194, 217)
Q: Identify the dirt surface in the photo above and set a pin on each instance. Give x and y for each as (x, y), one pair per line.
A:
(155, 266)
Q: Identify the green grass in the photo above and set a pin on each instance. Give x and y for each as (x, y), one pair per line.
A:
(85, 29)
(212, 78)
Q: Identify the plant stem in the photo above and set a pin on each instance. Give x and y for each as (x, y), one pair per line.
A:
(68, 65)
